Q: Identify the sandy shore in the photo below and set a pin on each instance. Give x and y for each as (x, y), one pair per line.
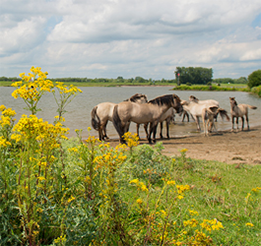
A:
(224, 146)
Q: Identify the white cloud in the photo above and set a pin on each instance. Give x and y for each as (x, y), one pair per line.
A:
(110, 38)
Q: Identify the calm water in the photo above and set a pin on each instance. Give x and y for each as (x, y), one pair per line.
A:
(78, 111)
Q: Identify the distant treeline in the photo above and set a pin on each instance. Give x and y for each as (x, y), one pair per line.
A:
(121, 80)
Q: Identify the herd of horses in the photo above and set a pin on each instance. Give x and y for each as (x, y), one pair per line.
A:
(163, 108)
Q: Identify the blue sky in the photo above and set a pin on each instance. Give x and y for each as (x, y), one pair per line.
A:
(129, 38)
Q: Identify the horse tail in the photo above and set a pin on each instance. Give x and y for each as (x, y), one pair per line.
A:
(117, 122)
(251, 107)
(223, 113)
(96, 122)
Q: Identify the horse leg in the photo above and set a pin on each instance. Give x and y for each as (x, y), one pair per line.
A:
(243, 121)
(247, 122)
(146, 130)
(153, 128)
(167, 127)
(183, 117)
(233, 122)
(161, 127)
(150, 131)
(237, 122)
(104, 131)
(198, 123)
(155, 125)
(127, 126)
(203, 121)
(137, 129)
(100, 134)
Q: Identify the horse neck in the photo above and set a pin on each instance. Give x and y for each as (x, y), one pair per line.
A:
(234, 107)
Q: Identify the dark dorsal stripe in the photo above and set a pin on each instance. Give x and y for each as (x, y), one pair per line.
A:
(135, 97)
(162, 100)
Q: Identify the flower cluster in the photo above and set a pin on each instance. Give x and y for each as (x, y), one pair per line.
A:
(32, 85)
(131, 139)
(211, 225)
(33, 128)
(63, 89)
(140, 185)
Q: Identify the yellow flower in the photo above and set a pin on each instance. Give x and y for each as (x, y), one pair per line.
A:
(171, 182)
(41, 178)
(249, 224)
(184, 150)
(2, 107)
(71, 199)
(139, 201)
(134, 181)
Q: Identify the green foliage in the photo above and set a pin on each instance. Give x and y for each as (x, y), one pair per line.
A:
(210, 88)
(256, 90)
(193, 75)
(254, 79)
(223, 81)
(146, 163)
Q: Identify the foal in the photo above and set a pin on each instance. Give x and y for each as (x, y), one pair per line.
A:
(239, 110)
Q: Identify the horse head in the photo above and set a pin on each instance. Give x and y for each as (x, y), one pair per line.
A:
(232, 101)
(193, 98)
(177, 103)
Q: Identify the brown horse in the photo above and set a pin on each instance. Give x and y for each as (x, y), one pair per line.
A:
(239, 110)
(150, 112)
(102, 113)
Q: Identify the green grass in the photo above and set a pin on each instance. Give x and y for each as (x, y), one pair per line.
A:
(101, 84)
(231, 87)
(218, 191)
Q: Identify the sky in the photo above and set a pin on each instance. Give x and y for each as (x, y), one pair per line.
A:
(129, 38)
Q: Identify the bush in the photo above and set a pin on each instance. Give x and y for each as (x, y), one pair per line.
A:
(256, 90)
(254, 79)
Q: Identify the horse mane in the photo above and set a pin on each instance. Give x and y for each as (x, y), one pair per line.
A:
(163, 100)
(193, 98)
(135, 97)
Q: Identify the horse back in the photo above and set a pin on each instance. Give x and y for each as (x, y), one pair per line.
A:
(105, 110)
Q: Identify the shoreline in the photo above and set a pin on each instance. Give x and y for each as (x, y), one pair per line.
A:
(238, 147)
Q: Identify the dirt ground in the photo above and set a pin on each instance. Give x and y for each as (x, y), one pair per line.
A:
(224, 146)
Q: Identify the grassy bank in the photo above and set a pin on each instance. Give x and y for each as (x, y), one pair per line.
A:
(101, 84)
(224, 87)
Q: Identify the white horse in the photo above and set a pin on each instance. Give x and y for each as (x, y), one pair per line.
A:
(206, 111)
(102, 113)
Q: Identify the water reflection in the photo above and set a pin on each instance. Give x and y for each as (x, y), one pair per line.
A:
(78, 111)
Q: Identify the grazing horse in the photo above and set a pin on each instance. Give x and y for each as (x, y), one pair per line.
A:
(239, 110)
(205, 111)
(206, 102)
(150, 112)
(102, 113)
(168, 117)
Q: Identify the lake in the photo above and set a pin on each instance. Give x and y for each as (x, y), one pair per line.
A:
(78, 111)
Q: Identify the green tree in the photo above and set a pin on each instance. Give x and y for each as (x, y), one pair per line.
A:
(193, 75)
(254, 79)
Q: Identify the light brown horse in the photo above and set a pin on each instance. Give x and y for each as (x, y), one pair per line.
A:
(102, 113)
(239, 110)
(150, 112)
